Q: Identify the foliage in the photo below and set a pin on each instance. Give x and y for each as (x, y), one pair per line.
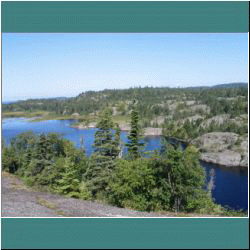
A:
(182, 175)
(69, 184)
(133, 185)
(134, 141)
(10, 161)
(189, 130)
(106, 149)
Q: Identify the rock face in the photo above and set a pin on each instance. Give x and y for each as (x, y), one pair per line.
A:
(244, 147)
(216, 142)
(220, 148)
(227, 158)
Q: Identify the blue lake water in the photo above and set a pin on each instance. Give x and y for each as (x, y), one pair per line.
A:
(231, 183)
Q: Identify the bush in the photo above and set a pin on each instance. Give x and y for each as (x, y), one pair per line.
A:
(10, 161)
(85, 194)
(134, 186)
(201, 202)
(29, 181)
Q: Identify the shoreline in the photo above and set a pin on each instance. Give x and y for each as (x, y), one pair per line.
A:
(148, 132)
(157, 132)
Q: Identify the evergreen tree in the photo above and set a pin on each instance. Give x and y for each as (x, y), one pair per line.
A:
(106, 149)
(105, 146)
(69, 184)
(134, 139)
(117, 150)
(10, 160)
(42, 155)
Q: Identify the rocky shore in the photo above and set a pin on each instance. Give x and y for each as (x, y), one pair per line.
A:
(222, 148)
(125, 127)
(228, 149)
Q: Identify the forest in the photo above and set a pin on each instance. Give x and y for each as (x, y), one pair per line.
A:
(192, 111)
(170, 180)
(153, 101)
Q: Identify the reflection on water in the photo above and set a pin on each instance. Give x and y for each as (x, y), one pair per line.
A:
(231, 183)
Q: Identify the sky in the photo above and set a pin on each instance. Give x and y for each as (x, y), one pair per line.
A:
(65, 65)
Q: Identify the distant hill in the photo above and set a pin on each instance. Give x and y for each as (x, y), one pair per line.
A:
(224, 85)
(8, 102)
(153, 101)
(232, 85)
(110, 91)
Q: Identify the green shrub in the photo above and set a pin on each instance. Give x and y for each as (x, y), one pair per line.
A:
(201, 202)
(10, 161)
(133, 185)
(29, 181)
(85, 194)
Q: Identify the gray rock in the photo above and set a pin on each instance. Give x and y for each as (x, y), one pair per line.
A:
(244, 161)
(220, 148)
(227, 158)
(219, 119)
(244, 145)
(216, 141)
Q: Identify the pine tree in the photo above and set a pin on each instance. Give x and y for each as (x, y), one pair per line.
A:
(69, 184)
(104, 136)
(39, 154)
(134, 139)
(42, 154)
(106, 149)
(116, 150)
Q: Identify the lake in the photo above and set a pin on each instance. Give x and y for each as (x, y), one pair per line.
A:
(231, 183)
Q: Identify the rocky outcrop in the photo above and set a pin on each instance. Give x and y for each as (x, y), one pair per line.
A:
(219, 119)
(226, 158)
(153, 132)
(223, 149)
(216, 141)
(81, 126)
(244, 156)
(125, 127)
(203, 107)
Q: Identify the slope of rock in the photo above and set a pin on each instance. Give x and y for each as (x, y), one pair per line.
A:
(223, 149)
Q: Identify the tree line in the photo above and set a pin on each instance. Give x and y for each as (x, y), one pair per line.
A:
(152, 101)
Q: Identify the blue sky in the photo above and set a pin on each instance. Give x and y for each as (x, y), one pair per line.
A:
(54, 65)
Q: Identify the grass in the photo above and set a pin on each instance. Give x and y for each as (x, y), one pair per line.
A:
(50, 205)
(80, 120)
(38, 120)
(14, 114)
(40, 116)
(46, 203)
(26, 114)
